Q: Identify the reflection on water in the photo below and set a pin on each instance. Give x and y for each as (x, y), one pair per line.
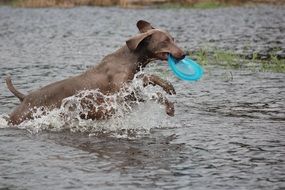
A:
(228, 132)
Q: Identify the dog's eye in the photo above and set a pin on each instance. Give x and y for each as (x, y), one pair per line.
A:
(167, 40)
(164, 43)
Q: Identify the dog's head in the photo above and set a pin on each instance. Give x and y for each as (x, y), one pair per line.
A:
(156, 42)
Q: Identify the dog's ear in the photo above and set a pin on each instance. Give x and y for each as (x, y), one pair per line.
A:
(134, 42)
(144, 26)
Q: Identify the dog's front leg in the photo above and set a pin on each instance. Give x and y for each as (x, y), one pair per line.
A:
(159, 97)
(169, 106)
(155, 80)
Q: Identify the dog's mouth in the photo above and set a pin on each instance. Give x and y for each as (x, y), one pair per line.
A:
(164, 56)
(161, 55)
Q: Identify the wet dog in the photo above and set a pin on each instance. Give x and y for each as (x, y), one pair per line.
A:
(109, 76)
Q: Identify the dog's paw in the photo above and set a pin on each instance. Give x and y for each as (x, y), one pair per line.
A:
(170, 109)
(168, 87)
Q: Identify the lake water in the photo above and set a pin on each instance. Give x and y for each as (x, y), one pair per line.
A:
(228, 131)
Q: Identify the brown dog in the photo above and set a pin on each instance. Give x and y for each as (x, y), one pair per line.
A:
(109, 76)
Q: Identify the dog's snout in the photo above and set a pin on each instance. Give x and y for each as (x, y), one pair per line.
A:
(180, 55)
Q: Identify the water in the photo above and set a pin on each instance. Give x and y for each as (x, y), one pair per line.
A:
(228, 131)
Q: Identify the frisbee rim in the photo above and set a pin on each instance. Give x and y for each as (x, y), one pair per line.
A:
(198, 71)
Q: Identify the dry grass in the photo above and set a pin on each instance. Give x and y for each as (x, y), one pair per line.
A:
(72, 3)
(65, 3)
(127, 3)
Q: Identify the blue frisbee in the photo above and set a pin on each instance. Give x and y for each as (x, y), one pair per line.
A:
(185, 69)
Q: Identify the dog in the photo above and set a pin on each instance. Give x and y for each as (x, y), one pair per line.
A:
(109, 76)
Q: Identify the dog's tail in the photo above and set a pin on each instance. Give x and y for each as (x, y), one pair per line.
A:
(13, 89)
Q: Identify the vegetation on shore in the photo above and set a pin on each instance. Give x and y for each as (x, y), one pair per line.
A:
(200, 4)
(229, 59)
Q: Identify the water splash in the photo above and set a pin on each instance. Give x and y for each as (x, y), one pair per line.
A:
(3, 121)
(132, 110)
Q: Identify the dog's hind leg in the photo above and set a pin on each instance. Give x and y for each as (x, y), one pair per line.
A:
(13, 89)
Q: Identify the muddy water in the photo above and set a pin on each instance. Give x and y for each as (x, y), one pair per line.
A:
(228, 132)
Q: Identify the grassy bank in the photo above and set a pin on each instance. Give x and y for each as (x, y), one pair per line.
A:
(200, 4)
(229, 59)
